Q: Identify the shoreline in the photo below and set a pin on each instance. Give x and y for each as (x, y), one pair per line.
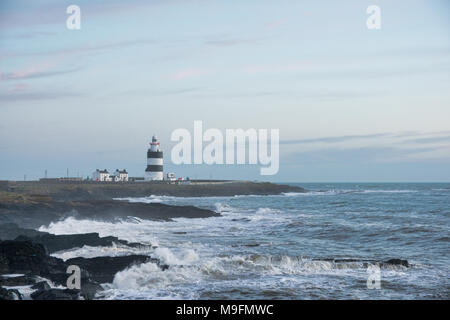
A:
(90, 190)
(25, 206)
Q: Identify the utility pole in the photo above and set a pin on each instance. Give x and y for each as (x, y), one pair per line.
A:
(67, 172)
(45, 174)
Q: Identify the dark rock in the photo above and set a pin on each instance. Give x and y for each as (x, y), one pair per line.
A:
(43, 285)
(55, 243)
(32, 260)
(36, 214)
(367, 262)
(10, 294)
(23, 257)
(10, 231)
(399, 262)
(90, 289)
(56, 294)
(103, 269)
(24, 280)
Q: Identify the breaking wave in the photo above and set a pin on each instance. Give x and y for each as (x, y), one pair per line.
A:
(293, 245)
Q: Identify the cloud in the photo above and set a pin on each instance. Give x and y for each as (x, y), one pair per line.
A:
(84, 49)
(169, 92)
(369, 148)
(335, 139)
(363, 155)
(178, 91)
(30, 35)
(402, 137)
(32, 73)
(223, 42)
(190, 73)
(23, 13)
(430, 139)
(281, 67)
(17, 96)
(20, 87)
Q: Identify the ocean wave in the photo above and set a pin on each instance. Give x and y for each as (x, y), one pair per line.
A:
(191, 271)
(185, 257)
(267, 211)
(333, 192)
(283, 264)
(116, 250)
(132, 230)
(149, 199)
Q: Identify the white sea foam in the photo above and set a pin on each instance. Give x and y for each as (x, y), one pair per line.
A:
(133, 231)
(116, 250)
(171, 283)
(251, 247)
(185, 257)
(12, 275)
(149, 199)
(267, 211)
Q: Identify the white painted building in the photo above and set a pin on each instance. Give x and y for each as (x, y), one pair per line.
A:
(120, 175)
(101, 175)
(154, 170)
(170, 176)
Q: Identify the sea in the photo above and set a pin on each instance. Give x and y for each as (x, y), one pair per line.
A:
(327, 243)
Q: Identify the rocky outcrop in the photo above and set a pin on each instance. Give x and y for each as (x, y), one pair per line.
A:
(10, 231)
(43, 285)
(366, 262)
(33, 214)
(20, 280)
(103, 269)
(396, 262)
(10, 294)
(85, 190)
(56, 294)
(32, 260)
(54, 243)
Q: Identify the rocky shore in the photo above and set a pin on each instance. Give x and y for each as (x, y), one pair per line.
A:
(28, 257)
(25, 252)
(26, 263)
(33, 211)
(82, 191)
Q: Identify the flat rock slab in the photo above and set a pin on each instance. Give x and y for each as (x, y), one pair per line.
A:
(37, 213)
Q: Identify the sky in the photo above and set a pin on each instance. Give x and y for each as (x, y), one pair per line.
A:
(351, 104)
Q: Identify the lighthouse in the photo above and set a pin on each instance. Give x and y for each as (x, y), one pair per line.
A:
(154, 169)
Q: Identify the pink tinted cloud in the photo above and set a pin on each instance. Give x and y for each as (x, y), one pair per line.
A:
(43, 68)
(32, 70)
(20, 87)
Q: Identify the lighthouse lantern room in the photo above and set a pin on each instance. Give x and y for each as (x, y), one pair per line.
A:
(154, 169)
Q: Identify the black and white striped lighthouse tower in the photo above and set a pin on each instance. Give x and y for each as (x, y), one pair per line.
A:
(154, 169)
